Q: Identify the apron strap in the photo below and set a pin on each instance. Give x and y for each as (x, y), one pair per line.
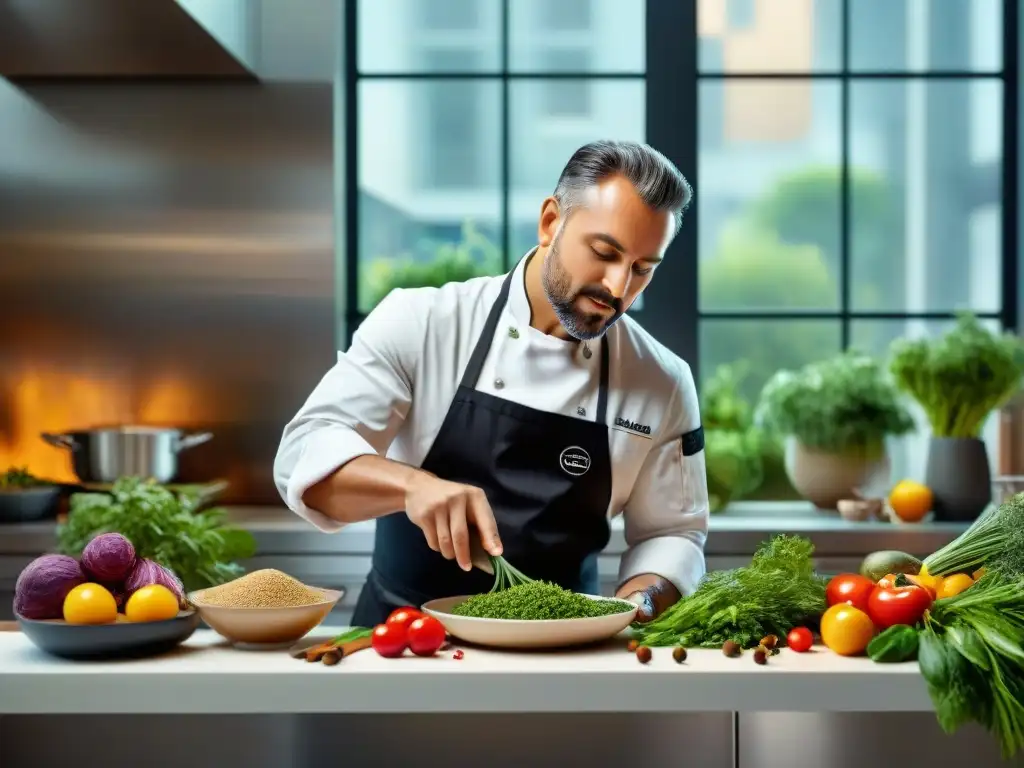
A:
(483, 345)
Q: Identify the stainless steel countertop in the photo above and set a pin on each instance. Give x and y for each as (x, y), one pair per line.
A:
(736, 532)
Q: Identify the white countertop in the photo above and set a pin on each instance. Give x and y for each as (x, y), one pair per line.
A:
(205, 676)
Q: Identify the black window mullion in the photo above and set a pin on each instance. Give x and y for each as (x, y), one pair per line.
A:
(845, 289)
(506, 143)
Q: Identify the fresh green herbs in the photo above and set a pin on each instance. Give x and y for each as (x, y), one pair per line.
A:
(505, 575)
(195, 545)
(960, 377)
(536, 601)
(995, 540)
(734, 445)
(842, 404)
(776, 592)
(972, 658)
(19, 478)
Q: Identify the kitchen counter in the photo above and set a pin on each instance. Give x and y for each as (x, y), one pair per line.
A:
(206, 676)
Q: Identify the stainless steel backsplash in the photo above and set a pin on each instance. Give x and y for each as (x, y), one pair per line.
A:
(166, 257)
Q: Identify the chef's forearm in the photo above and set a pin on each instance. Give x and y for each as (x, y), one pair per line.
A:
(660, 591)
(365, 488)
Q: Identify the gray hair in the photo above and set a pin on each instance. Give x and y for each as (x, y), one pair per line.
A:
(658, 182)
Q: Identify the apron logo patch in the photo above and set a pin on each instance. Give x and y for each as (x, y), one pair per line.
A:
(633, 426)
(574, 460)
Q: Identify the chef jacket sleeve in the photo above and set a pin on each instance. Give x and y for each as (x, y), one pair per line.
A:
(666, 516)
(358, 406)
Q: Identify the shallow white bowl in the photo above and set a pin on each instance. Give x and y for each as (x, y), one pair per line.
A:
(547, 633)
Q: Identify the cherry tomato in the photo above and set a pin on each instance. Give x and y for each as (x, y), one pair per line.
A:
(904, 603)
(403, 617)
(851, 589)
(389, 640)
(426, 636)
(800, 639)
(846, 630)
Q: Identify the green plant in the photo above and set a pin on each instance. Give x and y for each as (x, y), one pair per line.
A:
(473, 256)
(844, 403)
(960, 377)
(195, 545)
(733, 444)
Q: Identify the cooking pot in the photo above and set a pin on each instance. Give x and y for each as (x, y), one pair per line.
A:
(104, 455)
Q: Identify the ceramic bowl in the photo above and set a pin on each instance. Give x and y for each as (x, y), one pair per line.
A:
(121, 640)
(265, 627)
(547, 633)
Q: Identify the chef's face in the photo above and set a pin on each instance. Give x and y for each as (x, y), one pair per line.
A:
(602, 256)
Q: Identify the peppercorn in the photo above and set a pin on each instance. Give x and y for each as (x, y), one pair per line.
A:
(632, 645)
(643, 654)
(761, 655)
(331, 658)
(769, 641)
(679, 654)
(731, 648)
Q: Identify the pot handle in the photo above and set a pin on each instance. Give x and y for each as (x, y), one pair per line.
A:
(59, 441)
(191, 441)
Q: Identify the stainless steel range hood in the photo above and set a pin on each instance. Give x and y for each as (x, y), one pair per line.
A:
(127, 38)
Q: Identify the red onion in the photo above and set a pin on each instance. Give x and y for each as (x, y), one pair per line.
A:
(148, 572)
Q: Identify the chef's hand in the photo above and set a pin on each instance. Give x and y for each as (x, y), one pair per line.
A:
(446, 512)
(651, 594)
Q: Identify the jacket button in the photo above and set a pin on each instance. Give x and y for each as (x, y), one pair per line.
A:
(498, 383)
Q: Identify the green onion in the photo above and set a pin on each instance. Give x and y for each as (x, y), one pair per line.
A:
(505, 575)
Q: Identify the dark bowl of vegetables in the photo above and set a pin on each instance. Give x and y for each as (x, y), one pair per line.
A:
(25, 498)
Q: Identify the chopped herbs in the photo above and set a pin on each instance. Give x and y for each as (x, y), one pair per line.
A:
(776, 592)
(536, 601)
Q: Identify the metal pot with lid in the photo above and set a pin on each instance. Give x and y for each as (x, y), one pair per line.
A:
(104, 455)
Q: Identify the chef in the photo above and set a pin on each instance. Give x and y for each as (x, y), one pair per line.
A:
(521, 412)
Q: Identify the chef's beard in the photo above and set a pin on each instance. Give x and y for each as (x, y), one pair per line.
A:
(557, 284)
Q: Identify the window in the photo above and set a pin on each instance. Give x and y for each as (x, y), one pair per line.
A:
(446, 15)
(566, 98)
(740, 14)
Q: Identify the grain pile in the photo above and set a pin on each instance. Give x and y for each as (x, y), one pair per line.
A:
(266, 588)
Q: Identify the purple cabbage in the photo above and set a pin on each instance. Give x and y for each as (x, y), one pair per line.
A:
(42, 586)
(148, 572)
(109, 558)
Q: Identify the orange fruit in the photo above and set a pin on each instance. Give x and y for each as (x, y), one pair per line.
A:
(910, 501)
(90, 604)
(154, 602)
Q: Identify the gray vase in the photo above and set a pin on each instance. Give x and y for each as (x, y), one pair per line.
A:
(959, 477)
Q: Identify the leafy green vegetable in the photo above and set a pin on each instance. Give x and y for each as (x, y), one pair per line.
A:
(894, 645)
(196, 545)
(776, 592)
(995, 540)
(19, 477)
(972, 658)
(960, 377)
(842, 404)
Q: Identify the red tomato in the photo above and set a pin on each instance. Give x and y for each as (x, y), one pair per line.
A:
(889, 606)
(800, 639)
(849, 588)
(389, 640)
(426, 636)
(403, 617)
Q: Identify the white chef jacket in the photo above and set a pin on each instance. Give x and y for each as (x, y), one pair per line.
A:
(389, 393)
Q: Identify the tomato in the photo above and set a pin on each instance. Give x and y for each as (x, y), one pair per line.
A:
(389, 640)
(846, 630)
(800, 639)
(426, 636)
(929, 584)
(849, 588)
(903, 603)
(403, 617)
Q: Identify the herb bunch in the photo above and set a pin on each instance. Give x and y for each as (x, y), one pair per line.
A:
(19, 478)
(506, 575)
(195, 545)
(845, 403)
(537, 601)
(961, 377)
(971, 655)
(995, 540)
(779, 590)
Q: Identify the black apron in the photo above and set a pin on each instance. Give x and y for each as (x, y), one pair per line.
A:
(548, 480)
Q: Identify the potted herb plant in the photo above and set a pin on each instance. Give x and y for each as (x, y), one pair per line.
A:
(959, 379)
(835, 416)
(733, 442)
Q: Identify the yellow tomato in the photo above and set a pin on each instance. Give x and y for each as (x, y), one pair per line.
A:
(154, 602)
(90, 604)
(846, 630)
(954, 585)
